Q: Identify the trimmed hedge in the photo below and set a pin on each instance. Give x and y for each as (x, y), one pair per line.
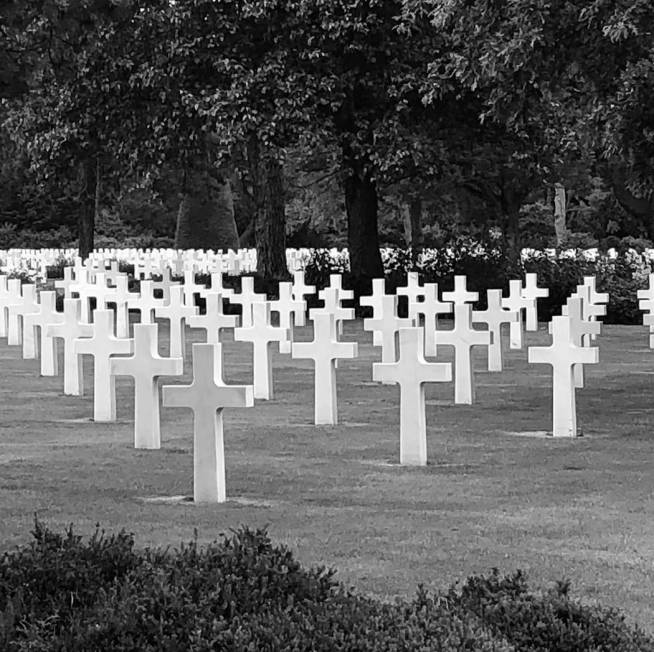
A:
(244, 593)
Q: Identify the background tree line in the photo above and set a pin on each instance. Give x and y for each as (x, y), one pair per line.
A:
(327, 122)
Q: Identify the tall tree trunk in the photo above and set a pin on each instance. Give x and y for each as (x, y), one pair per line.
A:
(88, 181)
(205, 219)
(361, 206)
(560, 227)
(269, 200)
(413, 226)
(642, 208)
(98, 189)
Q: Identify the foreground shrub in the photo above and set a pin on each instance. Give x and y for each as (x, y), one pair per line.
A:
(548, 621)
(244, 593)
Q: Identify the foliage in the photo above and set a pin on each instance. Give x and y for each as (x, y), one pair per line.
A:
(13, 238)
(546, 621)
(243, 593)
(475, 108)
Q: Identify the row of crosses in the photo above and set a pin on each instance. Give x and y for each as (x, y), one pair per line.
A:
(404, 347)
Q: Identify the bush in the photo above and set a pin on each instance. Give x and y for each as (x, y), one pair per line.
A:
(547, 621)
(13, 238)
(244, 593)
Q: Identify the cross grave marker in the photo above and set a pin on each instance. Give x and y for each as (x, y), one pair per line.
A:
(463, 337)
(145, 366)
(460, 294)
(517, 302)
(324, 350)
(532, 292)
(69, 330)
(411, 371)
(101, 346)
(562, 355)
(207, 396)
(495, 315)
(46, 315)
(430, 309)
(262, 335)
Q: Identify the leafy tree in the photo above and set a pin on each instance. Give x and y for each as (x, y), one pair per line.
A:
(56, 118)
(576, 76)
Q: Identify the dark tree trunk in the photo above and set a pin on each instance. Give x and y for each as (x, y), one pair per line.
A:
(269, 204)
(87, 206)
(361, 204)
(98, 189)
(642, 208)
(413, 226)
(205, 219)
(510, 202)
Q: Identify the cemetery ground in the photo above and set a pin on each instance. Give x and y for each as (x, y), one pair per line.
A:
(496, 492)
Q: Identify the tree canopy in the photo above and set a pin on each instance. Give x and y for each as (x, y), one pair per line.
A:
(470, 108)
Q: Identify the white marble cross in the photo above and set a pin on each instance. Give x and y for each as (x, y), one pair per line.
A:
(591, 311)
(99, 290)
(411, 372)
(494, 316)
(324, 350)
(6, 298)
(214, 319)
(374, 301)
(217, 286)
(65, 283)
(580, 330)
(27, 304)
(13, 298)
(245, 298)
(71, 329)
(102, 345)
(430, 309)
(145, 366)
(262, 335)
(112, 273)
(531, 291)
(145, 302)
(122, 298)
(207, 395)
(83, 278)
(563, 354)
(81, 272)
(387, 324)
(177, 313)
(300, 288)
(645, 303)
(332, 298)
(460, 294)
(164, 284)
(463, 337)
(515, 301)
(291, 313)
(336, 283)
(46, 315)
(595, 296)
(596, 301)
(414, 292)
(191, 288)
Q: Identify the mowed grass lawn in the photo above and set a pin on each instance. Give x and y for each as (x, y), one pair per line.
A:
(495, 494)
